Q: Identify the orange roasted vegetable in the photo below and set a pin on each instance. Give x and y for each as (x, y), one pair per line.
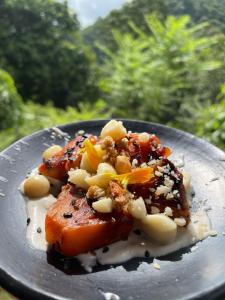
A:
(75, 228)
(69, 157)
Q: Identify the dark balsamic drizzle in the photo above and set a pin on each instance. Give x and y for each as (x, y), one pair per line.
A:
(105, 249)
(147, 254)
(39, 230)
(137, 231)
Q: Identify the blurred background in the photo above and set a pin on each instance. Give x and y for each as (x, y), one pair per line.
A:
(154, 60)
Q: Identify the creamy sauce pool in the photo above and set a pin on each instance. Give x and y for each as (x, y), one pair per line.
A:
(137, 244)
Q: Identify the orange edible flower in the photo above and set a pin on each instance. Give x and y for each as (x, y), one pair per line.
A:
(139, 175)
(92, 154)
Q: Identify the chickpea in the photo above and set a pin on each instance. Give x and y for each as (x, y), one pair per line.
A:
(160, 228)
(122, 164)
(36, 186)
(115, 129)
(51, 151)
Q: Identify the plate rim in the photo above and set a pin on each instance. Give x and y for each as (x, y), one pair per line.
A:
(19, 289)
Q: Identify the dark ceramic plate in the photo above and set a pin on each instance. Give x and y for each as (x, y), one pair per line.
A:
(32, 274)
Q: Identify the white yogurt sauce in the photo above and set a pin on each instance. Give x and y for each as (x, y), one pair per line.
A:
(121, 251)
(36, 211)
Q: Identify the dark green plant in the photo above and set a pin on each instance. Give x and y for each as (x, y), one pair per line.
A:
(42, 49)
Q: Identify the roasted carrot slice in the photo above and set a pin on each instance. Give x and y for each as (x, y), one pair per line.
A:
(58, 165)
(75, 228)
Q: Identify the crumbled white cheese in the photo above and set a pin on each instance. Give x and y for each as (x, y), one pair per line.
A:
(180, 221)
(155, 210)
(168, 211)
(156, 266)
(149, 200)
(161, 169)
(168, 182)
(134, 162)
(152, 162)
(81, 132)
(162, 189)
(159, 174)
(213, 233)
(169, 196)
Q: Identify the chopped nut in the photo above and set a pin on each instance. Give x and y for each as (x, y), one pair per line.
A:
(103, 205)
(108, 145)
(95, 192)
(137, 208)
(119, 195)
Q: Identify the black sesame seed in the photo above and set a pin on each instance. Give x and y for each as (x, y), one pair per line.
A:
(137, 232)
(67, 215)
(28, 221)
(147, 254)
(39, 230)
(105, 249)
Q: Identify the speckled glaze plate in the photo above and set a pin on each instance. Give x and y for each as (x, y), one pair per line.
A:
(186, 274)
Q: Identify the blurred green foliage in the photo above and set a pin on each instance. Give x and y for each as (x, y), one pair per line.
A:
(10, 102)
(36, 116)
(210, 121)
(42, 49)
(160, 75)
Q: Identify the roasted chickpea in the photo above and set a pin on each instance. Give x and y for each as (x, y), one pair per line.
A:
(122, 164)
(36, 186)
(51, 151)
(115, 129)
